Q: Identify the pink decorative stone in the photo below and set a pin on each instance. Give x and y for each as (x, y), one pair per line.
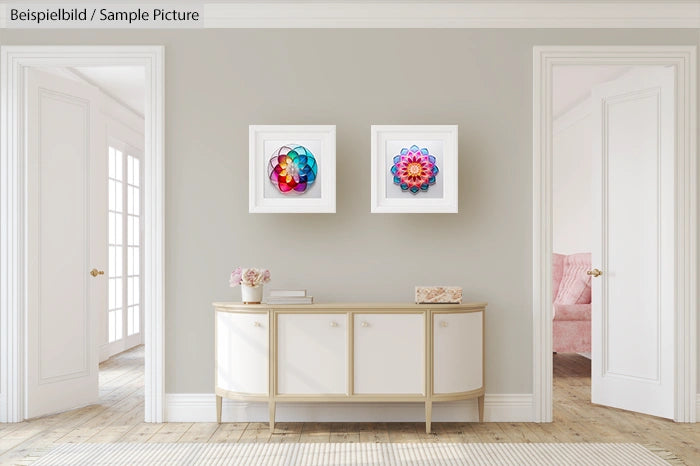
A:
(438, 294)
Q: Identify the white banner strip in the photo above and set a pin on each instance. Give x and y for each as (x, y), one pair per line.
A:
(358, 14)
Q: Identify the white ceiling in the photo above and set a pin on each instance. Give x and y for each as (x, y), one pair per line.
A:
(124, 83)
(572, 84)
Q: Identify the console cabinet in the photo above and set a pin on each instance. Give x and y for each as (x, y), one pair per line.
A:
(349, 353)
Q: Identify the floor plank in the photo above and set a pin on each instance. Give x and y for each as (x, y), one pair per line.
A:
(199, 432)
(228, 432)
(170, 432)
(404, 432)
(373, 432)
(315, 432)
(256, 432)
(286, 432)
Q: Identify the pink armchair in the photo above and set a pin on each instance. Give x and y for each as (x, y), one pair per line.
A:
(571, 294)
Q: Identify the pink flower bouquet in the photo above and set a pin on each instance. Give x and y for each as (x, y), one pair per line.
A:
(249, 277)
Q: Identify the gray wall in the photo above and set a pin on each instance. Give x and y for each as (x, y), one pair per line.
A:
(220, 81)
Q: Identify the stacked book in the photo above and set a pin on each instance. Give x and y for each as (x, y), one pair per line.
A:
(289, 297)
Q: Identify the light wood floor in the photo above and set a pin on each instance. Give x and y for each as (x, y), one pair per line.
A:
(119, 418)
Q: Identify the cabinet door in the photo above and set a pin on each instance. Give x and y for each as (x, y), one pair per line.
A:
(242, 352)
(389, 353)
(311, 354)
(457, 352)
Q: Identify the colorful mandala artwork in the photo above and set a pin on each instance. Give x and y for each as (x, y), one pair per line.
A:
(414, 169)
(292, 169)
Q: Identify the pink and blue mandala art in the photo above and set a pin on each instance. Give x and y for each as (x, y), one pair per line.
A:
(414, 169)
(292, 169)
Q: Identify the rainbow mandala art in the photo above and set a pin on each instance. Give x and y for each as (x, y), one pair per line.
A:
(414, 169)
(292, 169)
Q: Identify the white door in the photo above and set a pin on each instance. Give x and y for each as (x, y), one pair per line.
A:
(66, 236)
(633, 243)
(312, 354)
(389, 354)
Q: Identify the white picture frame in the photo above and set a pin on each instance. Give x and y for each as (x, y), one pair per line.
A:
(264, 196)
(441, 142)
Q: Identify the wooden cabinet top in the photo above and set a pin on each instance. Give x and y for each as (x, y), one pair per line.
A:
(371, 307)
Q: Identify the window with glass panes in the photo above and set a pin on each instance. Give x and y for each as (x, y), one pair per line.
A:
(124, 311)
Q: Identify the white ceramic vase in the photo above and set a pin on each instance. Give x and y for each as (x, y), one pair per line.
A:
(251, 294)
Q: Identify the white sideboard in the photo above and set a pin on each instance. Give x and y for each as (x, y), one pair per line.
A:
(350, 352)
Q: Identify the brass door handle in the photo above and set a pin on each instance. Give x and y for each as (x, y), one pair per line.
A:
(95, 272)
(595, 273)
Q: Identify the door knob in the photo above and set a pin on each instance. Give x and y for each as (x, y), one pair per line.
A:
(595, 273)
(95, 272)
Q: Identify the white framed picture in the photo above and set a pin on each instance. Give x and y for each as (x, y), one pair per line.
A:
(291, 169)
(414, 168)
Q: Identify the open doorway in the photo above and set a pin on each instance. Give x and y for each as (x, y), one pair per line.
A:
(613, 236)
(642, 176)
(660, 219)
(85, 144)
(109, 241)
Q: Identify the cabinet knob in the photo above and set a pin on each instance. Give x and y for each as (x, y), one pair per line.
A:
(443, 323)
(365, 323)
(256, 324)
(334, 324)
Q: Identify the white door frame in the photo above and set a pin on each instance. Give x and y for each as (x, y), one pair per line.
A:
(683, 59)
(13, 216)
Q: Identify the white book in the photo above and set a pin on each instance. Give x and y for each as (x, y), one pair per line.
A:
(290, 300)
(288, 293)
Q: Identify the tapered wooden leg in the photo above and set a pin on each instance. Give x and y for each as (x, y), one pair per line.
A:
(481, 408)
(218, 409)
(272, 415)
(428, 415)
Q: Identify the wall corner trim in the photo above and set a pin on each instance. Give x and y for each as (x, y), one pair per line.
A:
(201, 407)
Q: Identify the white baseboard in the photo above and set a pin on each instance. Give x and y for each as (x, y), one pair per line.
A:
(697, 408)
(201, 407)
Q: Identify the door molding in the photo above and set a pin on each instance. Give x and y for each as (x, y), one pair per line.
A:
(683, 58)
(13, 215)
